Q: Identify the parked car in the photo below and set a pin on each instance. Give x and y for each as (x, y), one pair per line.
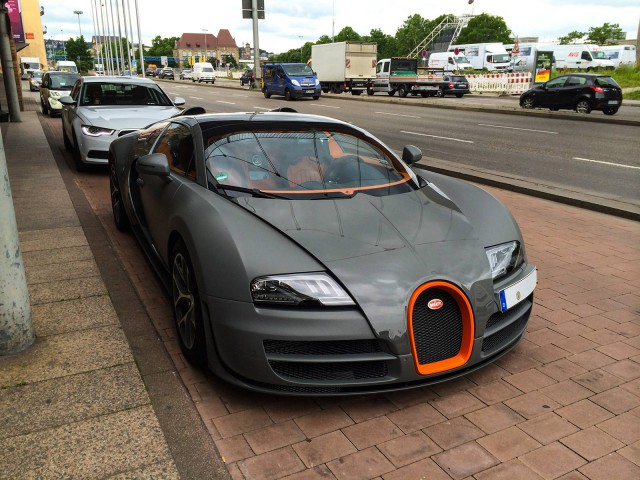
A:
(186, 74)
(304, 256)
(151, 72)
(53, 86)
(247, 77)
(35, 78)
(100, 109)
(203, 72)
(582, 92)
(167, 74)
(457, 85)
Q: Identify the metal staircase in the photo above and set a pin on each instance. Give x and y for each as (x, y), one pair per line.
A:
(443, 35)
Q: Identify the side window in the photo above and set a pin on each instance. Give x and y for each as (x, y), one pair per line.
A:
(556, 82)
(586, 56)
(147, 137)
(75, 91)
(575, 81)
(385, 67)
(177, 144)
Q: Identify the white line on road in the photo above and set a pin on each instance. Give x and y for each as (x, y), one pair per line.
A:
(606, 163)
(228, 103)
(324, 106)
(436, 136)
(516, 128)
(261, 108)
(398, 115)
(197, 98)
(238, 95)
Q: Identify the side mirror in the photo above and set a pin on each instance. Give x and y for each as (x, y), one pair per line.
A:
(179, 101)
(153, 164)
(67, 100)
(411, 154)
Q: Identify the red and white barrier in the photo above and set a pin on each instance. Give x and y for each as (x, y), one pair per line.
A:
(511, 83)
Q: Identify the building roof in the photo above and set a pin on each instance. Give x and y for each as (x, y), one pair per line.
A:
(196, 40)
(225, 39)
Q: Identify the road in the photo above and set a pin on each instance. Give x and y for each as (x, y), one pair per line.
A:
(597, 157)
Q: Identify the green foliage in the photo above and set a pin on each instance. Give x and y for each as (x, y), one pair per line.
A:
(163, 46)
(571, 38)
(411, 33)
(78, 52)
(347, 34)
(228, 60)
(607, 34)
(485, 28)
(633, 95)
(387, 45)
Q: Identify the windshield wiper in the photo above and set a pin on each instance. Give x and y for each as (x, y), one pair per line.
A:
(253, 191)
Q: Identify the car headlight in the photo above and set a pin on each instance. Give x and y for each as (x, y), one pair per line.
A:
(295, 82)
(301, 289)
(317, 82)
(96, 131)
(504, 258)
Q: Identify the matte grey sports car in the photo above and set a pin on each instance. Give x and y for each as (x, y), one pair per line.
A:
(303, 256)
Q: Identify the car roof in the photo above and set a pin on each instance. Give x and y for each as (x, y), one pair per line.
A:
(120, 79)
(273, 117)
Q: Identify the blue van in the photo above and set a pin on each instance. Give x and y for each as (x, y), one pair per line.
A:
(293, 80)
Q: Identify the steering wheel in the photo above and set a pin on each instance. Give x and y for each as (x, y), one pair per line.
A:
(338, 171)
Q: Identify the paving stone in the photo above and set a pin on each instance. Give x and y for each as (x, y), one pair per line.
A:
(627, 370)
(416, 417)
(548, 428)
(453, 432)
(369, 463)
(529, 380)
(274, 437)
(617, 400)
(457, 404)
(508, 444)
(465, 460)
(511, 470)
(598, 380)
(592, 443)
(619, 350)
(584, 413)
(323, 449)
(561, 369)
(232, 449)
(625, 428)
(377, 430)
(631, 453)
(408, 449)
(275, 464)
(421, 470)
(552, 460)
(241, 422)
(532, 404)
(513, 362)
(319, 472)
(494, 418)
(368, 407)
(567, 392)
(408, 398)
(324, 421)
(495, 392)
(611, 467)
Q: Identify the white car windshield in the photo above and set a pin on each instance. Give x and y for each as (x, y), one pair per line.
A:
(107, 93)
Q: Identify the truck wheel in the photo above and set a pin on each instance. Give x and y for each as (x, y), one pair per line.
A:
(440, 93)
(392, 93)
(402, 91)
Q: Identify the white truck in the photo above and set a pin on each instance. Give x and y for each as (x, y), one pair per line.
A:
(28, 65)
(402, 75)
(449, 62)
(344, 66)
(581, 56)
(621, 55)
(66, 66)
(485, 56)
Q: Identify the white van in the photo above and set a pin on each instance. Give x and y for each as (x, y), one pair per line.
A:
(582, 56)
(203, 72)
(449, 61)
(620, 55)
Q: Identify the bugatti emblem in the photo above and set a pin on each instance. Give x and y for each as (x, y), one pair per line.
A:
(435, 304)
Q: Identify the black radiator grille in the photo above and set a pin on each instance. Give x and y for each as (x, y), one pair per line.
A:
(333, 347)
(330, 371)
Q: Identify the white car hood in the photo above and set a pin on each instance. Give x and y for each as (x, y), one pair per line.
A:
(121, 117)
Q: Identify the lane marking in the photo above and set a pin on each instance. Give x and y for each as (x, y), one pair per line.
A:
(324, 106)
(516, 128)
(261, 108)
(197, 98)
(436, 136)
(238, 95)
(397, 115)
(228, 103)
(606, 163)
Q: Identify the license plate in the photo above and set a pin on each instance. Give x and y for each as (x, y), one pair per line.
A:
(309, 91)
(514, 294)
(612, 102)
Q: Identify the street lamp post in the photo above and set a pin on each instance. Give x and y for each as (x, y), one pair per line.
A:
(301, 37)
(205, 43)
(78, 12)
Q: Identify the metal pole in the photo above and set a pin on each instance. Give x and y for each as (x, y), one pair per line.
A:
(120, 37)
(100, 55)
(105, 29)
(94, 37)
(16, 329)
(79, 12)
(8, 71)
(126, 13)
(256, 47)
(115, 47)
(139, 40)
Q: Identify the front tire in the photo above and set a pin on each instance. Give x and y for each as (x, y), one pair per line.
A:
(527, 103)
(187, 309)
(117, 207)
(287, 95)
(77, 157)
(266, 93)
(583, 106)
(402, 91)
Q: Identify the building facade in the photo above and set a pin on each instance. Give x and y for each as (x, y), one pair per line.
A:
(200, 47)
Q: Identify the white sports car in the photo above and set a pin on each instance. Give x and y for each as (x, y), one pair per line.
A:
(101, 109)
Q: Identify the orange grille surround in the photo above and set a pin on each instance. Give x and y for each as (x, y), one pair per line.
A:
(467, 319)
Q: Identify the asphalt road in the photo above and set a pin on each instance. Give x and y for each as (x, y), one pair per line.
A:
(558, 150)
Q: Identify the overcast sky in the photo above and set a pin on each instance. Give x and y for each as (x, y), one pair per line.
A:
(288, 24)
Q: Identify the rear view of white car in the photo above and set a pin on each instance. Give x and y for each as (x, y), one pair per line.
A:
(101, 109)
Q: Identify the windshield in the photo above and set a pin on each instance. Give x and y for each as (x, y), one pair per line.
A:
(302, 164)
(298, 70)
(36, 75)
(62, 82)
(207, 69)
(112, 93)
(600, 55)
(501, 58)
(462, 59)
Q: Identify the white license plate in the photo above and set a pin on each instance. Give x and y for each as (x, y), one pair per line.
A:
(309, 91)
(514, 294)
(612, 102)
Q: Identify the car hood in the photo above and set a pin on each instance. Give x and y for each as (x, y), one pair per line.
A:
(126, 116)
(383, 248)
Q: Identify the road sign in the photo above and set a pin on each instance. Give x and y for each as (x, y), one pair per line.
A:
(516, 47)
(456, 51)
(423, 53)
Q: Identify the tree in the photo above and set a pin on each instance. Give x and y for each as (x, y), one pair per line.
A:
(164, 46)
(571, 37)
(411, 33)
(78, 52)
(607, 34)
(347, 34)
(485, 28)
(387, 45)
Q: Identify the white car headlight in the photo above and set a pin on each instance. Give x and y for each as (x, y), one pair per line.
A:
(301, 289)
(92, 131)
(317, 82)
(504, 258)
(295, 82)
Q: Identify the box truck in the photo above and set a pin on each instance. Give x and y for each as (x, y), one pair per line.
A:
(28, 65)
(620, 55)
(485, 56)
(449, 62)
(344, 66)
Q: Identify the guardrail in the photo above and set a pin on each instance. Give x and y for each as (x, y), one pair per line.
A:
(510, 83)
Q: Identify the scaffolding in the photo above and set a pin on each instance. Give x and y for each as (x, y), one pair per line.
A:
(443, 35)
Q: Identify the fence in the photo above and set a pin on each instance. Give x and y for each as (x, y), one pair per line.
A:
(510, 83)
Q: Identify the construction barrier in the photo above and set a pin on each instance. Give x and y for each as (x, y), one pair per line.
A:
(509, 83)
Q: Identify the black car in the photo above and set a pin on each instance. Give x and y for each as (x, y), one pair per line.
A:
(248, 77)
(167, 74)
(581, 92)
(457, 85)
